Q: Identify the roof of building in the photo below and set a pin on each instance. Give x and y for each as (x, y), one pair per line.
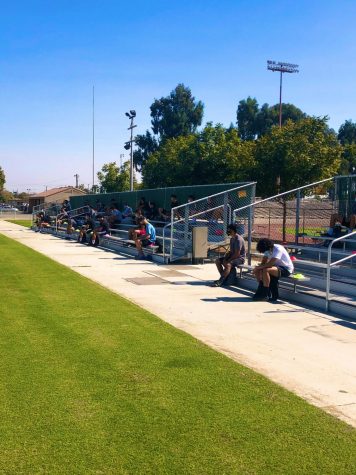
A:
(54, 191)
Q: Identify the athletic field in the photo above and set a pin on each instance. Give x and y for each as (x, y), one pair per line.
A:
(92, 384)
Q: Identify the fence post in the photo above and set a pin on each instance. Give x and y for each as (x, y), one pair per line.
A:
(171, 244)
(269, 223)
(297, 215)
(226, 202)
(328, 272)
(249, 236)
(186, 227)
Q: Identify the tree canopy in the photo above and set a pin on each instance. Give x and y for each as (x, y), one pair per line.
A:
(299, 153)
(347, 133)
(2, 179)
(115, 178)
(176, 115)
(214, 155)
(253, 121)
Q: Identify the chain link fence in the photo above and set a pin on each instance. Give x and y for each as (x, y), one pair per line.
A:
(213, 212)
(299, 216)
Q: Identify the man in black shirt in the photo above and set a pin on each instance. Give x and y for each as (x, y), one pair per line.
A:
(233, 258)
(87, 228)
(100, 230)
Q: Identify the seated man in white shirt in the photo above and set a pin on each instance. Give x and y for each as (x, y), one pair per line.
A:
(276, 263)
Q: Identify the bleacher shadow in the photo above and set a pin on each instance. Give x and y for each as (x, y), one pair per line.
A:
(227, 299)
(346, 324)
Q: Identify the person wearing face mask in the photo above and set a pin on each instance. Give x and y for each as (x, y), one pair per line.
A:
(233, 258)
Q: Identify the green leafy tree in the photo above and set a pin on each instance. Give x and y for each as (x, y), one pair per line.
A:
(294, 155)
(348, 162)
(2, 179)
(215, 155)
(253, 121)
(115, 178)
(268, 116)
(178, 114)
(246, 115)
(347, 133)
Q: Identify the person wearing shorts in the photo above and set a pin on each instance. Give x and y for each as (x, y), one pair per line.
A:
(147, 239)
(233, 258)
(275, 264)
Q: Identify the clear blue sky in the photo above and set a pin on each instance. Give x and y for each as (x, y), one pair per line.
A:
(53, 52)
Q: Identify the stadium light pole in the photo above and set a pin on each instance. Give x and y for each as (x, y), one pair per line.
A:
(282, 68)
(129, 145)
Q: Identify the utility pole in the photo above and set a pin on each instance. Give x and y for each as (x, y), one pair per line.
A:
(282, 68)
(76, 176)
(93, 152)
(129, 145)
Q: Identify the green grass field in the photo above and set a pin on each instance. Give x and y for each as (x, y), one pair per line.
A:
(92, 384)
(22, 222)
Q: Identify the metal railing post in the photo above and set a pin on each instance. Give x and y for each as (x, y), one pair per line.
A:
(225, 216)
(171, 243)
(186, 228)
(249, 236)
(328, 272)
(297, 215)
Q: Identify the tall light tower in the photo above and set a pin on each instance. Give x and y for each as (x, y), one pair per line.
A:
(282, 68)
(128, 145)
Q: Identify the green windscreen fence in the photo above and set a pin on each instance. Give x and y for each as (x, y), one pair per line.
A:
(160, 196)
(345, 190)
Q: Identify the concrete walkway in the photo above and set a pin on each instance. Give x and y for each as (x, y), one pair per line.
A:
(309, 353)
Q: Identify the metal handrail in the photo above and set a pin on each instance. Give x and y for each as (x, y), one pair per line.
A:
(243, 185)
(282, 194)
(332, 264)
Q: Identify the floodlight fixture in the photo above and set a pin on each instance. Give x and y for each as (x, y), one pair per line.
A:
(281, 68)
(128, 145)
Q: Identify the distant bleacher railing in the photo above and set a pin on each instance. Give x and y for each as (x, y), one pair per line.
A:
(298, 215)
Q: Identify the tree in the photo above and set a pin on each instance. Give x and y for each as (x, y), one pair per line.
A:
(348, 163)
(115, 178)
(215, 155)
(268, 116)
(146, 145)
(253, 122)
(247, 111)
(347, 133)
(178, 114)
(2, 179)
(294, 155)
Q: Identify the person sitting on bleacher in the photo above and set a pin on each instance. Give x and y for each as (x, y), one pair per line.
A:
(143, 206)
(100, 230)
(163, 215)
(276, 263)
(115, 216)
(87, 228)
(127, 213)
(148, 239)
(234, 257)
(152, 214)
(45, 222)
(71, 226)
(66, 205)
